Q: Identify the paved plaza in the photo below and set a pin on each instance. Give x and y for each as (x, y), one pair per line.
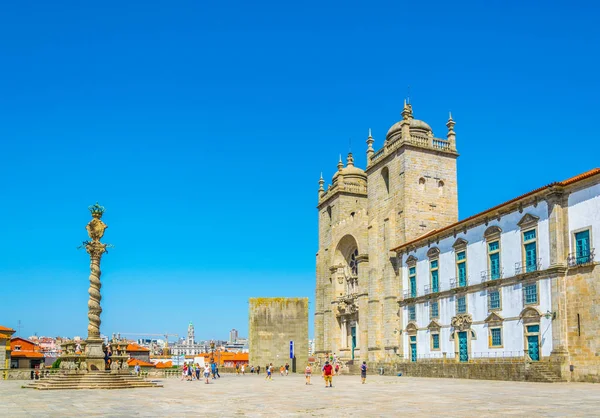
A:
(288, 396)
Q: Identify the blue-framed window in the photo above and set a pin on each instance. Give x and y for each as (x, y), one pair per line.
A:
(434, 310)
(412, 313)
(461, 268)
(531, 293)
(435, 279)
(530, 247)
(494, 257)
(435, 341)
(582, 247)
(412, 277)
(496, 337)
(461, 304)
(493, 299)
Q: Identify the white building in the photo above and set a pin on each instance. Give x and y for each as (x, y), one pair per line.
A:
(496, 284)
(188, 347)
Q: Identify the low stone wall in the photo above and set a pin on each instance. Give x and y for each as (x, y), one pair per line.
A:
(483, 371)
(515, 371)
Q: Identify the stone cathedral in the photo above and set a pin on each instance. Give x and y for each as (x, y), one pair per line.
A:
(509, 293)
(409, 188)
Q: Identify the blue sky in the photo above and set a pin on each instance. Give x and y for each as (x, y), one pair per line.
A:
(203, 127)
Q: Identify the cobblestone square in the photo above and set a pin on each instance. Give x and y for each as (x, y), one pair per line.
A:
(252, 396)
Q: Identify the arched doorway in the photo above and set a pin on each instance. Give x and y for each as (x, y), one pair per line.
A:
(345, 289)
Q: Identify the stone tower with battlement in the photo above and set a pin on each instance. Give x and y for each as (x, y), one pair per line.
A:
(409, 187)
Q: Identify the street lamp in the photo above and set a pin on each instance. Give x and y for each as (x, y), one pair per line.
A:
(212, 351)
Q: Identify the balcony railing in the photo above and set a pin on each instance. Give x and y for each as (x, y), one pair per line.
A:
(581, 258)
(521, 267)
(458, 282)
(487, 275)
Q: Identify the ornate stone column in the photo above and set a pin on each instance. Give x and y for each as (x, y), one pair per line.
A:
(95, 229)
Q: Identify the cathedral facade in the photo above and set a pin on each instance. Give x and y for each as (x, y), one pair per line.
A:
(409, 187)
(400, 280)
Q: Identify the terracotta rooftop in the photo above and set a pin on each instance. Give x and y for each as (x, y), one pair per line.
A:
(26, 354)
(136, 347)
(6, 329)
(141, 363)
(566, 182)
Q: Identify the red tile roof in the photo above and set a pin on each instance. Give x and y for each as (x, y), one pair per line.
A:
(6, 329)
(26, 354)
(136, 347)
(566, 182)
(141, 363)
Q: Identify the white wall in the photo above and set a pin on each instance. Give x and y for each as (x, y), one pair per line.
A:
(584, 211)
(477, 303)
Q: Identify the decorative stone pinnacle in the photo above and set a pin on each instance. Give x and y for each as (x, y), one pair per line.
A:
(321, 183)
(350, 160)
(340, 164)
(450, 124)
(96, 210)
(370, 136)
(407, 111)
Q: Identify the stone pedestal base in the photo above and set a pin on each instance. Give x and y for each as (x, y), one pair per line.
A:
(94, 355)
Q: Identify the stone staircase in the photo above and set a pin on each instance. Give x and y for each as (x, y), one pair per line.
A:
(541, 372)
(92, 380)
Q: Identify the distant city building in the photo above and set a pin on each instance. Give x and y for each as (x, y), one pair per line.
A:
(5, 334)
(25, 354)
(233, 335)
(188, 346)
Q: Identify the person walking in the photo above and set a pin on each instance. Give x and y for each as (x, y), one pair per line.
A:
(287, 369)
(307, 373)
(257, 370)
(197, 370)
(363, 371)
(213, 369)
(337, 368)
(243, 369)
(281, 370)
(217, 371)
(328, 374)
(206, 373)
(269, 371)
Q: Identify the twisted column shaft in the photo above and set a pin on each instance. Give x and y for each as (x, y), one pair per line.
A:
(94, 309)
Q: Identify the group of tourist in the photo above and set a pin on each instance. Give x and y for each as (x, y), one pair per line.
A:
(192, 372)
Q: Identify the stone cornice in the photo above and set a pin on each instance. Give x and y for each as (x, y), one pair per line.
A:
(536, 275)
(390, 149)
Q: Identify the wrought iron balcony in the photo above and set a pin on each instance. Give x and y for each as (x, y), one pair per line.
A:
(521, 267)
(580, 258)
(459, 282)
(494, 274)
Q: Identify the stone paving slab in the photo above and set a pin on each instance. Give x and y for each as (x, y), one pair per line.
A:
(253, 396)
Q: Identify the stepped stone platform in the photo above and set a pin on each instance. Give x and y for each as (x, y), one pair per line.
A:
(92, 380)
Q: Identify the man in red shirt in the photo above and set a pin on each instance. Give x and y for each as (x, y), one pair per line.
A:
(328, 373)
